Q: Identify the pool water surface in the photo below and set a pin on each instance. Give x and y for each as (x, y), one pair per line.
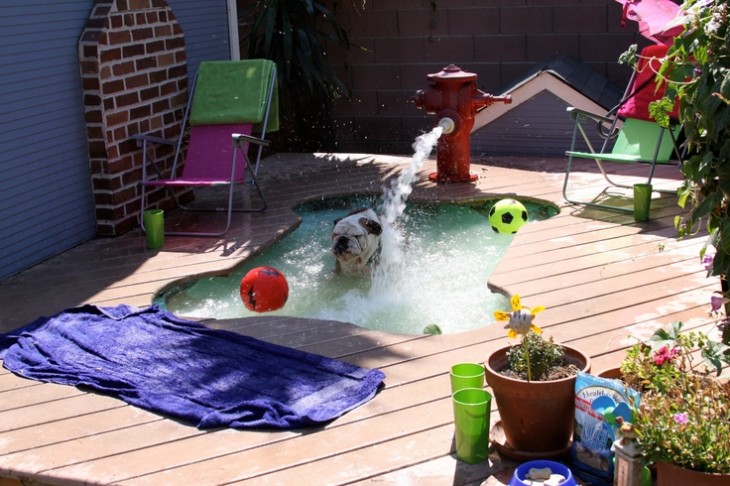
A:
(439, 277)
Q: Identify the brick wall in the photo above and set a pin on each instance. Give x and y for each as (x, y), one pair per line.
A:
(499, 40)
(134, 75)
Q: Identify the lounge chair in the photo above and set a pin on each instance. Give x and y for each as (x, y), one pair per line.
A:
(629, 134)
(227, 99)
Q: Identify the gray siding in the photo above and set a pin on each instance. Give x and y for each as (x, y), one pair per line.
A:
(205, 25)
(46, 204)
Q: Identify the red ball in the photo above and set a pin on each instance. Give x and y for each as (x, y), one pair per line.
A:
(264, 289)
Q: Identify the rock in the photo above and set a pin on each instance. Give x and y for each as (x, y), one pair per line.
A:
(555, 480)
(544, 477)
(539, 474)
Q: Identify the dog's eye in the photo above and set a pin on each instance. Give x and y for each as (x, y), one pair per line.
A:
(371, 226)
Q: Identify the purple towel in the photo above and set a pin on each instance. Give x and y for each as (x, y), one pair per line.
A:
(212, 378)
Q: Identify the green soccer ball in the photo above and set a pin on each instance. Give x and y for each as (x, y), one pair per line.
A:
(507, 216)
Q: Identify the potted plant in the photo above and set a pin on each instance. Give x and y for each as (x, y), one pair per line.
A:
(533, 384)
(682, 423)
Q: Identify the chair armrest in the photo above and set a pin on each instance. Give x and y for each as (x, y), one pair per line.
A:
(143, 137)
(608, 157)
(240, 137)
(576, 112)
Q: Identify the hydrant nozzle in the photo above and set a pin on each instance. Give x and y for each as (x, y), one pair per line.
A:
(447, 124)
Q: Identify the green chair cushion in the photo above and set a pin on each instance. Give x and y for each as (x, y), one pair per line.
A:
(234, 92)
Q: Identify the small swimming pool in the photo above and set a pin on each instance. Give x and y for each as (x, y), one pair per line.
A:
(449, 251)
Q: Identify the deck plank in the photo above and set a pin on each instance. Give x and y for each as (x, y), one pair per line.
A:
(325, 443)
(605, 280)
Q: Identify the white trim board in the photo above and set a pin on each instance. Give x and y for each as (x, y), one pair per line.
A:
(233, 30)
(543, 81)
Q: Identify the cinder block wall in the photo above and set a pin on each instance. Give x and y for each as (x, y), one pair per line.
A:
(499, 40)
(132, 60)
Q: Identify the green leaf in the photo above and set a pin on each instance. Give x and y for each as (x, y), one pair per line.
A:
(707, 205)
(683, 193)
(661, 109)
(714, 354)
(629, 56)
(724, 236)
(722, 123)
(725, 83)
(720, 263)
(665, 337)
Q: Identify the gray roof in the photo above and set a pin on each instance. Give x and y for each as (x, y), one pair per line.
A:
(579, 76)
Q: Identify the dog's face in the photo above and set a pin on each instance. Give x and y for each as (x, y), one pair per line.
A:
(355, 239)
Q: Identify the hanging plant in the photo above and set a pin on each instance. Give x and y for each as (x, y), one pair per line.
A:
(296, 35)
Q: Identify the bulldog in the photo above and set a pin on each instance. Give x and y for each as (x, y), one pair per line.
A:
(356, 241)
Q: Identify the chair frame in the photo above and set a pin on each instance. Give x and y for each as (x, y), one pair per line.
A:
(608, 128)
(239, 142)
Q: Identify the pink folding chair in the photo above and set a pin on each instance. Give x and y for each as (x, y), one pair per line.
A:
(228, 98)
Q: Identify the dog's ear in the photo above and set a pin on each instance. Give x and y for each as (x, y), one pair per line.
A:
(334, 223)
(373, 227)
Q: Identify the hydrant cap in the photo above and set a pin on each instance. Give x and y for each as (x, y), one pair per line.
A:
(452, 72)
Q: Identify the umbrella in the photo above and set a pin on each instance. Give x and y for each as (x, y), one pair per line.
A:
(658, 19)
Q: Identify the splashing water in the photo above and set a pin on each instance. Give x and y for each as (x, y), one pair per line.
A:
(434, 264)
(385, 275)
(394, 199)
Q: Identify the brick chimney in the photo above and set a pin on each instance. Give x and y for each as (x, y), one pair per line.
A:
(134, 74)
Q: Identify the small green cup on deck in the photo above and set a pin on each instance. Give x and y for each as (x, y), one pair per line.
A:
(472, 407)
(642, 201)
(467, 375)
(154, 227)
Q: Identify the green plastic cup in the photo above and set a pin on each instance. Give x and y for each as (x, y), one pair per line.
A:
(642, 201)
(154, 226)
(467, 375)
(471, 420)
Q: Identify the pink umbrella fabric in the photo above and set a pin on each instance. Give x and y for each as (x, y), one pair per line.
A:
(657, 19)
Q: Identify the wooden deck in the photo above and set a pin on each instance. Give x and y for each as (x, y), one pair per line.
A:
(601, 276)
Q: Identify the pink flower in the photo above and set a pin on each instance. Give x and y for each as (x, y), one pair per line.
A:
(681, 418)
(716, 301)
(664, 354)
(707, 262)
(661, 355)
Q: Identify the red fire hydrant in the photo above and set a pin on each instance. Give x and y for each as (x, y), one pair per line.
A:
(454, 98)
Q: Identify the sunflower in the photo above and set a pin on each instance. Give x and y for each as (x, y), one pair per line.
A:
(519, 321)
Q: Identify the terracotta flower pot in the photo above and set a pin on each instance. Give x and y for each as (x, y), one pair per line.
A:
(536, 417)
(671, 475)
(611, 373)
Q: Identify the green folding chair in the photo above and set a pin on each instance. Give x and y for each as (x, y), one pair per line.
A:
(634, 142)
(627, 134)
